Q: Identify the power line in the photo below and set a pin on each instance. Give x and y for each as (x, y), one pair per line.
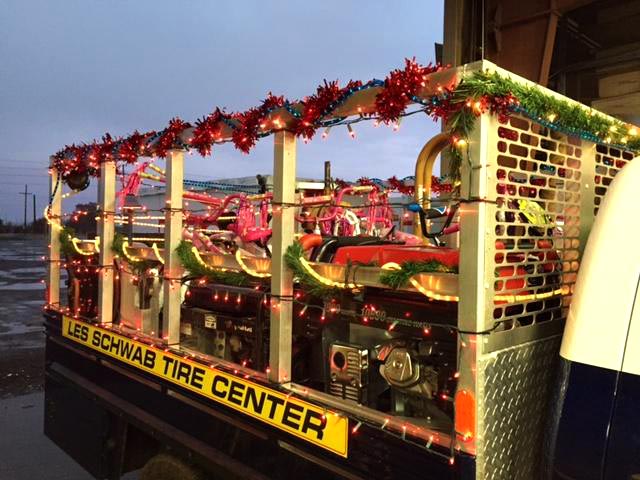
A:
(46, 182)
(12, 167)
(31, 175)
(14, 183)
(14, 162)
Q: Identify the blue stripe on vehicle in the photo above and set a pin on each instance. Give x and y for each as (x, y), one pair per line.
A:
(585, 402)
(623, 449)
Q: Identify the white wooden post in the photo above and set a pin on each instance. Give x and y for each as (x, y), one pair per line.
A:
(172, 235)
(284, 186)
(55, 212)
(106, 231)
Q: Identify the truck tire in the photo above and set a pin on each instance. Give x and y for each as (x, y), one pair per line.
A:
(167, 467)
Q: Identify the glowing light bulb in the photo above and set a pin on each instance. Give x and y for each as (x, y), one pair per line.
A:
(352, 132)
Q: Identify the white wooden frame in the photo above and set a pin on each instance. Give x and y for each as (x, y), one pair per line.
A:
(173, 269)
(284, 186)
(55, 213)
(106, 231)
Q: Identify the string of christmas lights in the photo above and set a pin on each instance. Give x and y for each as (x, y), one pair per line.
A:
(329, 309)
(457, 106)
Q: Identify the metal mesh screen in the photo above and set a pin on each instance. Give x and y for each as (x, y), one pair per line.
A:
(609, 161)
(537, 223)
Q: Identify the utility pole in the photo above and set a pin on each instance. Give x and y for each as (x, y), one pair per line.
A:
(25, 205)
(327, 178)
(34, 210)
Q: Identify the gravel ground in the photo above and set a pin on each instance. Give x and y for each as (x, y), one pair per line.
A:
(26, 453)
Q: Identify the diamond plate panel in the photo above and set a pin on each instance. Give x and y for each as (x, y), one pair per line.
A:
(514, 387)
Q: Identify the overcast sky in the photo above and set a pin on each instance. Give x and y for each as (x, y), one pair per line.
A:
(72, 70)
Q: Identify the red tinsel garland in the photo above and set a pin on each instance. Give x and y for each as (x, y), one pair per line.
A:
(169, 137)
(94, 154)
(340, 184)
(78, 153)
(250, 122)
(316, 106)
(365, 181)
(400, 87)
(398, 92)
(502, 106)
(206, 132)
(438, 186)
(105, 151)
(399, 185)
(131, 148)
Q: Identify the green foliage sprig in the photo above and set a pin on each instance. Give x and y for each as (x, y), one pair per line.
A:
(66, 245)
(226, 277)
(137, 268)
(400, 278)
(311, 285)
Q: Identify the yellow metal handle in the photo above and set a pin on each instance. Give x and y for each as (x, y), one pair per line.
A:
(424, 171)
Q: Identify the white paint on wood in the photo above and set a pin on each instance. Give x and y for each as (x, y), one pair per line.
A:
(53, 281)
(106, 231)
(284, 180)
(173, 269)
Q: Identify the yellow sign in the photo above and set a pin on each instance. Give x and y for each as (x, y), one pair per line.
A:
(304, 420)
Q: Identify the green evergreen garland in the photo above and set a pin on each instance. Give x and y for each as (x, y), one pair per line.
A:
(533, 102)
(400, 278)
(66, 236)
(138, 268)
(311, 285)
(556, 113)
(226, 277)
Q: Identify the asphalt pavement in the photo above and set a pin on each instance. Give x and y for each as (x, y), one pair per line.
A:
(26, 453)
